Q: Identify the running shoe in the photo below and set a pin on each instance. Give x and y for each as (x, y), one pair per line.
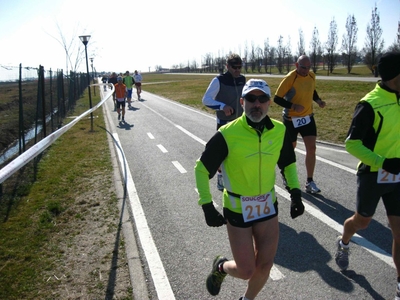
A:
(215, 279)
(119, 116)
(312, 188)
(397, 297)
(220, 182)
(342, 255)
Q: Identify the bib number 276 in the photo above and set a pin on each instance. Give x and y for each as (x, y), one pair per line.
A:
(256, 207)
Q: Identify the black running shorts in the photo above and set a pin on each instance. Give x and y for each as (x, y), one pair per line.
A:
(236, 219)
(369, 192)
(307, 130)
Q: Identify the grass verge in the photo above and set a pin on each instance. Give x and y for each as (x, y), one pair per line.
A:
(60, 220)
(332, 122)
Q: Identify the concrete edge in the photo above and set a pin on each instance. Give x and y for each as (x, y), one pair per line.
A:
(136, 271)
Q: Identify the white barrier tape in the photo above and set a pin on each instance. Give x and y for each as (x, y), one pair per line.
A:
(39, 147)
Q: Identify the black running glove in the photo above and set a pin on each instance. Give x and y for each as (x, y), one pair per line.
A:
(213, 217)
(392, 165)
(296, 206)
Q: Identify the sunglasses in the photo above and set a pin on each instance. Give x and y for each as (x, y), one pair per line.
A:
(305, 67)
(236, 67)
(252, 98)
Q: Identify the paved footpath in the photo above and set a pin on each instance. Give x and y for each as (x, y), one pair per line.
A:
(137, 276)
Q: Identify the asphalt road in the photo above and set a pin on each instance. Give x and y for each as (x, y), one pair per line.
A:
(161, 141)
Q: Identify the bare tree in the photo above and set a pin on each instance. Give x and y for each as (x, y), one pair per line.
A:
(252, 58)
(182, 66)
(194, 66)
(272, 53)
(208, 62)
(245, 57)
(315, 47)
(288, 55)
(396, 44)
(280, 51)
(331, 45)
(320, 54)
(219, 62)
(267, 49)
(301, 49)
(259, 58)
(72, 47)
(374, 42)
(349, 43)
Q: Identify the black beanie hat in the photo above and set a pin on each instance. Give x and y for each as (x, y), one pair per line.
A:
(389, 65)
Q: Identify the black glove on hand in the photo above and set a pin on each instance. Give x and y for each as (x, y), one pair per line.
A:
(296, 207)
(213, 217)
(392, 165)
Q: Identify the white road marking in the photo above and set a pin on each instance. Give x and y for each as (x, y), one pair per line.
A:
(183, 106)
(163, 150)
(275, 274)
(370, 247)
(158, 274)
(178, 126)
(329, 162)
(191, 135)
(179, 167)
(326, 148)
(150, 136)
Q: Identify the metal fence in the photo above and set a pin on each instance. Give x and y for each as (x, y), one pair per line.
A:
(34, 104)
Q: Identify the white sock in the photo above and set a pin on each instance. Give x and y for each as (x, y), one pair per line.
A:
(244, 298)
(343, 245)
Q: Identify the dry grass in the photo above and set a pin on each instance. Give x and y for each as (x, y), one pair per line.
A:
(60, 234)
(333, 121)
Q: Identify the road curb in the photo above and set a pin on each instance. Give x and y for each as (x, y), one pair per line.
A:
(136, 272)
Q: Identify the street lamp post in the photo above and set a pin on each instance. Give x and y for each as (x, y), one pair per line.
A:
(85, 41)
(94, 88)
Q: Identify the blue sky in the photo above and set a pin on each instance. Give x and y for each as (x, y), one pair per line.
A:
(129, 35)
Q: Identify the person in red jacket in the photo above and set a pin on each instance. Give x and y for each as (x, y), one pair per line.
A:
(120, 95)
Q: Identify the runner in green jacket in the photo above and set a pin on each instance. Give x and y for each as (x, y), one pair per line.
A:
(248, 150)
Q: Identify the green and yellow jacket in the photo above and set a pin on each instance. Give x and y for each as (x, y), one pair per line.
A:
(248, 154)
(374, 132)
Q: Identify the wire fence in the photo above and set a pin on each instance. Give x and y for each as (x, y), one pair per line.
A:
(33, 104)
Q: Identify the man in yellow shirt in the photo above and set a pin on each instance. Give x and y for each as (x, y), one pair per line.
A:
(296, 94)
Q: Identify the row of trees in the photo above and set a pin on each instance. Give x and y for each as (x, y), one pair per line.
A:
(323, 54)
